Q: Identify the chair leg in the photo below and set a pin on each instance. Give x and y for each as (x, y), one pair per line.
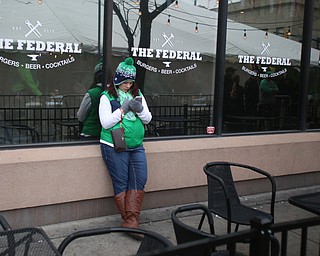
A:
(229, 227)
(236, 228)
(201, 220)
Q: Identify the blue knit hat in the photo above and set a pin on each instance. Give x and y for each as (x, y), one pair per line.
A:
(125, 71)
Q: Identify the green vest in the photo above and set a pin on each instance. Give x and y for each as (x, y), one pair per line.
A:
(91, 125)
(133, 130)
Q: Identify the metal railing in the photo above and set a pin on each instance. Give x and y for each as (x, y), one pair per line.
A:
(180, 114)
(181, 120)
(37, 114)
(189, 115)
(52, 118)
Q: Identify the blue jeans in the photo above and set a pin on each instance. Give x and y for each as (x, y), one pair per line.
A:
(128, 169)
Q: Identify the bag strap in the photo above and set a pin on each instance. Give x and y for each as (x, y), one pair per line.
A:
(121, 121)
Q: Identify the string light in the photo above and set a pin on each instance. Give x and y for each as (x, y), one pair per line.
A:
(137, 2)
(140, 12)
(39, 1)
(289, 31)
(196, 29)
(176, 4)
(244, 34)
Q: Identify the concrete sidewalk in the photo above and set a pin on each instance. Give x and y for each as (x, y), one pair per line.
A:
(158, 220)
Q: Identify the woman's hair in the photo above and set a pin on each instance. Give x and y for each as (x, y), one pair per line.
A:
(234, 90)
(97, 79)
(134, 90)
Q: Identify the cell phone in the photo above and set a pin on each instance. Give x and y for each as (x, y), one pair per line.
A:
(138, 98)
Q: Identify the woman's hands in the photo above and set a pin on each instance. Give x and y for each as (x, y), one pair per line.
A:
(125, 106)
(134, 105)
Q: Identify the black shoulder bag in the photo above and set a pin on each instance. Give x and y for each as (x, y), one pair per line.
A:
(118, 138)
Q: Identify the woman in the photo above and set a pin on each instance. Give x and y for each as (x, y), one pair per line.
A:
(128, 169)
(88, 114)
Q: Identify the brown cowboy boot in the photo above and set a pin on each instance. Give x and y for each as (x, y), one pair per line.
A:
(120, 202)
(133, 204)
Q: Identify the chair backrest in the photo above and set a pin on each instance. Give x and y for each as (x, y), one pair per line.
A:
(149, 240)
(221, 186)
(26, 241)
(185, 233)
(17, 134)
(152, 242)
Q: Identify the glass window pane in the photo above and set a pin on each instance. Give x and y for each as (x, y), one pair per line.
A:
(48, 50)
(264, 50)
(313, 106)
(47, 62)
(175, 58)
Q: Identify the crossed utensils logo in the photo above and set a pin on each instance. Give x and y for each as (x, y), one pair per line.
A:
(33, 28)
(167, 41)
(265, 48)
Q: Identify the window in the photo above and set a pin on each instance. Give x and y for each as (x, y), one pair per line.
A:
(261, 46)
(47, 54)
(313, 105)
(49, 48)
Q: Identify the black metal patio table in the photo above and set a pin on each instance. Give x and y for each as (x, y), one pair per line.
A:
(26, 241)
(309, 202)
(175, 121)
(72, 127)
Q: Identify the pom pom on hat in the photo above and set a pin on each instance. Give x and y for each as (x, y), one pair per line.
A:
(125, 71)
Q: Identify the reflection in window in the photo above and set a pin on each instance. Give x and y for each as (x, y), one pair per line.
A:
(271, 49)
(46, 66)
(313, 107)
(47, 61)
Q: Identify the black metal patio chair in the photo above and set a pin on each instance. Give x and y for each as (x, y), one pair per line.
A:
(4, 223)
(188, 233)
(34, 241)
(223, 198)
(17, 134)
(149, 240)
